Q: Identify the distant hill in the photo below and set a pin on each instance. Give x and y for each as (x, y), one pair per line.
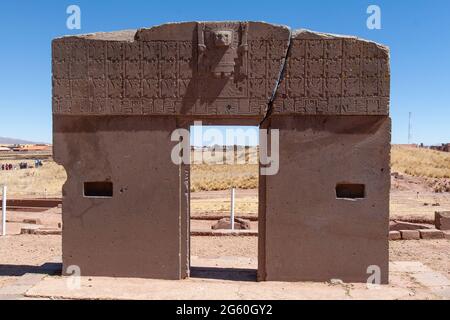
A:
(4, 140)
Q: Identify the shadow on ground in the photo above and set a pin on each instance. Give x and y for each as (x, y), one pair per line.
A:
(232, 274)
(13, 270)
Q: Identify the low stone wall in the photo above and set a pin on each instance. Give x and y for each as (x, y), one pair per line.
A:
(425, 234)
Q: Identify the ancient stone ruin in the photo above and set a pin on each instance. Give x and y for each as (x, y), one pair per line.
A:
(118, 96)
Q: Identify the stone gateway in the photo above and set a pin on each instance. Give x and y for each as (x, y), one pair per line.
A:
(118, 96)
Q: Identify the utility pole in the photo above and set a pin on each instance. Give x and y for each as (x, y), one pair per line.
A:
(232, 207)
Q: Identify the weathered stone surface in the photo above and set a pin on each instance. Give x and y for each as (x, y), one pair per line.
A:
(32, 221)
(29, 230)
(180, 69)
(338, 75)
(431, 234)
(442, 220)
(395, 235)
(137, 231)
(40, 231)
(307, 233)
(410, 234)
(225, 223)
(47, 231)
(170, 69)
(403, 225)
(118, 97)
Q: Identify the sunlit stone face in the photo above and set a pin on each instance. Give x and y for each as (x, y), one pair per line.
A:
(223, 38)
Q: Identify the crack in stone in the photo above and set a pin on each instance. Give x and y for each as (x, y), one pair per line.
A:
(280, 79)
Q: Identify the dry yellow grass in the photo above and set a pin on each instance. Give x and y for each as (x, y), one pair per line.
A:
(45, 181)
(209, 171)
(243, 205)
(417, 162)
(242, 156)
(223, 177)
(420, 162)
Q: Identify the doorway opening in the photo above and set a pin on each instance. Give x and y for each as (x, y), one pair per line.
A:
(224, 178)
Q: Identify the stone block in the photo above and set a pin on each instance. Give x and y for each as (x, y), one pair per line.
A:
(47, 231)
(298, 237)
(125, 93)
(28, 230)
(32, 221)
(442, 220)
(431, 234)
(403, 225)
(225, 223)
(395, 235)
(326, 73)
(410, 234)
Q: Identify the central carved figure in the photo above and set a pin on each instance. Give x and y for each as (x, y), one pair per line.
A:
(226, 63)
(219, 48)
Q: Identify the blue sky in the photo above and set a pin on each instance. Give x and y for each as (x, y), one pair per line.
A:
(418, 33)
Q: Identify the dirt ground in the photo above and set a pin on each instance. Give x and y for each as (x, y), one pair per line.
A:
(411, 199)
(211, 247)
(419, 270)
(224, 266)
(20, 254)
(35, 250)
(432, 253)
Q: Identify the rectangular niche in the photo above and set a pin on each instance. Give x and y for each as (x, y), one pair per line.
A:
(98, 189)
(350, 191)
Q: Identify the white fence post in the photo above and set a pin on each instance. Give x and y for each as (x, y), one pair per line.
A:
(232, 208)
(4, 211)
